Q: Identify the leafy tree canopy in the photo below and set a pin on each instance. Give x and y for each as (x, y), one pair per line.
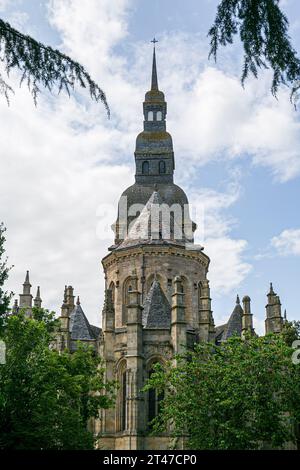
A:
(41, 65)
(263, 30)
(240, 395)
(47, 399)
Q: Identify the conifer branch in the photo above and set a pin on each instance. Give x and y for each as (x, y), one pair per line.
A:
(263, 31)
(42, 66)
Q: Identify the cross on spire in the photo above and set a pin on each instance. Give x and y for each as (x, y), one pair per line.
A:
(154, 40)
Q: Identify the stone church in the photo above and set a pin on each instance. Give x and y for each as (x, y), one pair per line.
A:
(157, 294)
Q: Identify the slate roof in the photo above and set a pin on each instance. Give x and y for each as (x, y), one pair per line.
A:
(80, 327)
(157, 310)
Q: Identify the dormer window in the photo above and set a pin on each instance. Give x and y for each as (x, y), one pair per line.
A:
(145, 168)
(162, 167)
(150, 116)
(159, 116)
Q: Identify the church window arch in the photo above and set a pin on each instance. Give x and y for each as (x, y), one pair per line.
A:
(150, 280)
(162, 166)
(159, 116)
(145, 168)
(150, 116)
(112, 289)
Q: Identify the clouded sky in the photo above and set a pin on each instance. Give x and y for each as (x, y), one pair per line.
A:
(237, 151)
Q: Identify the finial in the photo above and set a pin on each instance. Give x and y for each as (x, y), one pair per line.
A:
(78, 301)
(271, 289)
(154, 41)
(154, 81)
(238, 300)
(285, 315)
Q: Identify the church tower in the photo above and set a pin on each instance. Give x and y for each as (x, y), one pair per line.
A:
(157, 292)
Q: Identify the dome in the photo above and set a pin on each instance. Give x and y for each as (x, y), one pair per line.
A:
(154, 142)
(140, 194)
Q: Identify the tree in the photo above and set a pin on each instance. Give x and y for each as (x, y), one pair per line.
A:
(41, 65)
(47, 398)
(5, 297)
(240, 395)
(263, 31)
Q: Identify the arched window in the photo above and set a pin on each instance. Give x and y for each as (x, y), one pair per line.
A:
(154, 401)
(150, 116)
(159, 116)
(145, 168)
(162, 166)
(112, 289)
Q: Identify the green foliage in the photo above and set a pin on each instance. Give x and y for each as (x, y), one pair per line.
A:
(291, 332)
(47, 398)
(5, 297)
(41, 65)
(240, 395)
(263, 31)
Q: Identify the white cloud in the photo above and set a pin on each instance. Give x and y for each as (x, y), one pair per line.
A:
(228, 267)
(287, 243)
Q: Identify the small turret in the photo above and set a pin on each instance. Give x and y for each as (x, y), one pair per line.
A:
(274, 320)
(15, 308)
(26, 296)
(67, 308)
(206, 323)
(38, 300)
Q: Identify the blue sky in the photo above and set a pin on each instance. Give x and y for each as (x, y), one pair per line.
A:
(237, 151)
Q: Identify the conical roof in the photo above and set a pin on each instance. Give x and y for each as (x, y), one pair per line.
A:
(157, 310)
(80, 327)
(234, 324)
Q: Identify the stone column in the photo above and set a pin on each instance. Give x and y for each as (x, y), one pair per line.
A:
(178, 322)
(206, 328)
(247, 317)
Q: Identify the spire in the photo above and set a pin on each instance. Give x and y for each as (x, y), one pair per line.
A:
(271, 289)
(27, 278)
(154, 81)
(26, 284)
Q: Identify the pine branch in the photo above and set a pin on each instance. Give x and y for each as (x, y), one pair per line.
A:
(42, 66)
(263, 30)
